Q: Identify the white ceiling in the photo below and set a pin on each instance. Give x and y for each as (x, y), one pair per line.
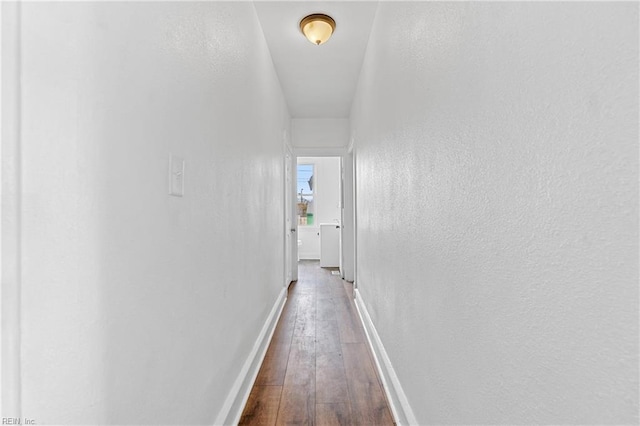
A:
(318, 81)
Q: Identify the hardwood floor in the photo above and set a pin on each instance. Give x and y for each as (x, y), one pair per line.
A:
(318, 369)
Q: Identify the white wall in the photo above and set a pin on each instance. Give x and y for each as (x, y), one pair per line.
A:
(497, 164)
(10, 212)
(319, 133)
(138, 307)
(326, 203)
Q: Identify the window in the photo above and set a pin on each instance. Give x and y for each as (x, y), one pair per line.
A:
(305, 194)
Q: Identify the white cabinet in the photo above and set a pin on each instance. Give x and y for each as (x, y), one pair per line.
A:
(329, 245)
(309, 242)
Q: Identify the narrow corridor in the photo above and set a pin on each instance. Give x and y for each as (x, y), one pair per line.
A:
(318, 368)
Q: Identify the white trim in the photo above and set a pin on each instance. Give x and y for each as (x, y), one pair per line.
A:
(352, 142)
(400, 408)
(239, 394)
(292, 252)
(11, 210)
(337, 151)
(354, 181)
(293, 210)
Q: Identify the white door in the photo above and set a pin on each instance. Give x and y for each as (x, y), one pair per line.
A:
(291, 238)
(287, 218)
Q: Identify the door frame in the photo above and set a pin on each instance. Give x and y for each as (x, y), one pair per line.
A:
(344, 154)
(291, 228)
(351, 158)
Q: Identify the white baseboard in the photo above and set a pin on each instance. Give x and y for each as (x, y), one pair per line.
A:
(400, 408)
(239, 394)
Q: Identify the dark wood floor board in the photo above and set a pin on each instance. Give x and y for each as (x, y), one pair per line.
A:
(331, 379)
(297, 406)
(298, 393)
(300, 290)
(286, 322)
(351, 330)
(325, 292)
(272, 372)
(304, 289)
(306, 306)
(288, 312)
(327, 336)
(325, 309)
(274, 365)
(306, 364)
(262, 406)
(305, 324)
(365, 393)
(279, 349)
(304, 328)
(283, 331)
(301, 365)
(334, 414)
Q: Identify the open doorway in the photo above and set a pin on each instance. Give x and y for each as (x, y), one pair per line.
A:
(318, 209)
(320, 206)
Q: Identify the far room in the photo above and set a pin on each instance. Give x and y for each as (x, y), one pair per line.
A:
(318, 204)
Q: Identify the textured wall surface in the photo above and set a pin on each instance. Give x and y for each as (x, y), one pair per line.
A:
(497, 158)
(139, 307)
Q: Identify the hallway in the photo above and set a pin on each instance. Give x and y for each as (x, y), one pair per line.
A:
(489, 188)
(318, 368)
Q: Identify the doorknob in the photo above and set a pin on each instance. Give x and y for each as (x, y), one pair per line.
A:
(293, 230)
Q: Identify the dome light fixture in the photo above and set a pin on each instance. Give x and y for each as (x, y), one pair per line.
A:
(317, 27)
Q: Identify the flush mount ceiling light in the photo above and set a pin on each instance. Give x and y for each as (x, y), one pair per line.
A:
(317, 27)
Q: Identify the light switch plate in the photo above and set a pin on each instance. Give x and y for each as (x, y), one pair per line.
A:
(176, 176)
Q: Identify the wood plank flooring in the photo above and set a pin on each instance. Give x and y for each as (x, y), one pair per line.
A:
(318, 369)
